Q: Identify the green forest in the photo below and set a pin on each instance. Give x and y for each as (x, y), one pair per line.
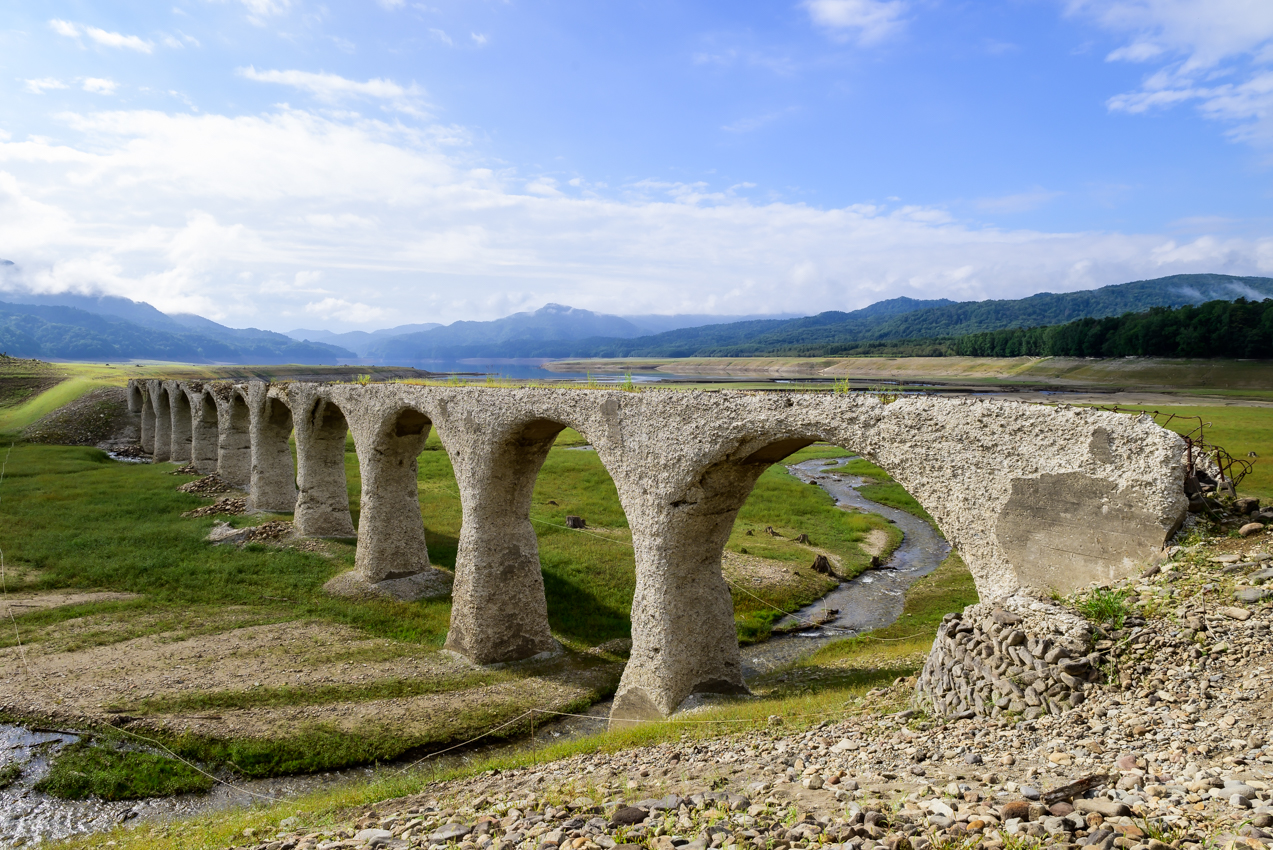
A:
(1227, 329)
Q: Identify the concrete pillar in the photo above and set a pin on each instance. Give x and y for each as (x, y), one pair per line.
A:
(234, 440)
(134, 398)
(322, 508)
(498, 608)
(204, 434)
(273, 476)
(390, 530)
(163, 423)
(684, 640)
(182, 424)
(147, 424)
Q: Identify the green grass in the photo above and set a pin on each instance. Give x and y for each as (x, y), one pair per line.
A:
(1239, 430)
(885, 490)
(106, 767)
(1104, 607)
(15, 418)
(10, 774)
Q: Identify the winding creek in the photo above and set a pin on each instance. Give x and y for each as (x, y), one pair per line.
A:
(870, 601)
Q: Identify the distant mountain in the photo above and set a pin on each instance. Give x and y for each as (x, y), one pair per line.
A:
(653, 323)
(836, 333)
(550, 323)
(57, 332)
(359, 341)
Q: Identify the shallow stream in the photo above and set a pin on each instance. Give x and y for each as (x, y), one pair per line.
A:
(870, 601)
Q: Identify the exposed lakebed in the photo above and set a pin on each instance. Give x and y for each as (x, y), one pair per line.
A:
(869, 601)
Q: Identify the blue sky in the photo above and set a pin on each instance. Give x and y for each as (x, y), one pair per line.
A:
(285, 163)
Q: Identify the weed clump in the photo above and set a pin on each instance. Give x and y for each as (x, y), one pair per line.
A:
(107, 769)
(1104, 607)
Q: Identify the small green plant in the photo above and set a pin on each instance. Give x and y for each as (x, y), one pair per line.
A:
(628, 386)
(9, 774)
(592, 383)
(1105, 607)
(454, 381)
(841, 386)
(363, 380)
(885, 394)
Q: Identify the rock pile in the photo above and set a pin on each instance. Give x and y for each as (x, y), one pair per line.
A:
(1024, 656)
(208, 485)
(225, 506)
(268, 532)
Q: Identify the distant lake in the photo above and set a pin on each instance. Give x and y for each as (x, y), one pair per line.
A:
(532, 369)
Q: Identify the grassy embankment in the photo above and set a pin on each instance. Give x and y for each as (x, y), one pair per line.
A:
(70, 517)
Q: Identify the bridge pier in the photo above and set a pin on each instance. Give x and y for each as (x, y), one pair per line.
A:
(498, 608)
(273, 475)
(147, 423)
(163, 423)
(205, 434)
(391, 542)
(322, 508)
(234, 440)
(182, 423)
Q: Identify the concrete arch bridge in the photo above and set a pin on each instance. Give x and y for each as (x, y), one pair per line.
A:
(1029, 495)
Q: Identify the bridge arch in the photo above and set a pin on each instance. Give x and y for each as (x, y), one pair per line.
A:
(147, 419)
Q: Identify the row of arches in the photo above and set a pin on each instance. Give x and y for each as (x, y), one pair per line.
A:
(683, 464)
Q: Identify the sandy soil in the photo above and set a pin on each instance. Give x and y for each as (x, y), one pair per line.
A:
(104, 681)
(18, 604)
(876, 542)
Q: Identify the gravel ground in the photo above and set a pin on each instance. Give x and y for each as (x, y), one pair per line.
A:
(1171, 751)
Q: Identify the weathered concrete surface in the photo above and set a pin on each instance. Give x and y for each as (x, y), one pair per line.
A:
(234, 436)
(1009, 484)
(182, 425)
(205, 431)
(322, 507)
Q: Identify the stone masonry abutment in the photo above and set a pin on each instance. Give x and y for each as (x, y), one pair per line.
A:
(1031, 496)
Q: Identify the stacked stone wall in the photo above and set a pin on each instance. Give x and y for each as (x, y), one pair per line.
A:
(1021, 656)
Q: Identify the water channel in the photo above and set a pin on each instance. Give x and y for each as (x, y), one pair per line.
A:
(870, 601)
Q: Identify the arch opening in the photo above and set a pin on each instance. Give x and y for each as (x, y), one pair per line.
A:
(234, 441)
(273, 469)
(135, 401)
(322, 505)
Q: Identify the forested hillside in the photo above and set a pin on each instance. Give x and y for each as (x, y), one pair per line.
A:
(1230, 329)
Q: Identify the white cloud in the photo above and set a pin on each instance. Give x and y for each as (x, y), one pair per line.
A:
(331, 88)
(441, 36)
(101, 36)
(232, 216)
(65, 28)
(392, 4)
(867, 21)
(345, 312)
(1216, 53)
(114, 39)
(259, 10)
(478, 38)
(44, 84)
(97, 85)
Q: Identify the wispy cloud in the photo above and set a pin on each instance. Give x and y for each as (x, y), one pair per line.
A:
(1018, 202)
(98, 85)
(1215, 53)
(44, 84)
(101, 36)
(864, 21)
(331, 88)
